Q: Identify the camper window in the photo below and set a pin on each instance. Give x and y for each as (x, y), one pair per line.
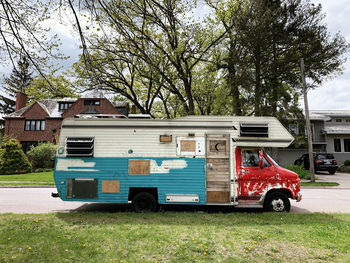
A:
(80, 147)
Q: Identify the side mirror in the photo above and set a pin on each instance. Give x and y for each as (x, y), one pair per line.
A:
(261, 159)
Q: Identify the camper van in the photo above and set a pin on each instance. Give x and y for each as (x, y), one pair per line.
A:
(195, 160)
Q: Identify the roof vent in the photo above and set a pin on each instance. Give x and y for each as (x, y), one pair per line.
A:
(254, 130)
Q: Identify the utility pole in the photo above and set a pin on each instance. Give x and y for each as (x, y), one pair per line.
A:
(308, 126)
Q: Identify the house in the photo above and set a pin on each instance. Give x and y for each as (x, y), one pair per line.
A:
(330, 133)
(41, 121)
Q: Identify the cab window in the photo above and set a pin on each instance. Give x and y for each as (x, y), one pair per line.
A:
(250, 158)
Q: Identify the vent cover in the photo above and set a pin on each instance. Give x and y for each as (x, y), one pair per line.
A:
(80, 147)
(254, 130)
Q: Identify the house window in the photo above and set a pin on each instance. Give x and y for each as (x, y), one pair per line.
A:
(92, 102)
(26, 145)
(80, 147)
(337, 145)
(346, 145)
(338, 120)
(347, 120)
(293, 128)
(62, 106)
(34, 125)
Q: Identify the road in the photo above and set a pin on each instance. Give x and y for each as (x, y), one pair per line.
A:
(39, 200)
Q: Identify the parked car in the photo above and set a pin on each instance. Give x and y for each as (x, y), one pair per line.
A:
(322, 161)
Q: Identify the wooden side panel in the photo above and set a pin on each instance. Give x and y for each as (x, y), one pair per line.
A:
(110, 186)
(218, 174)
(218, 196)
(218, 146)
(188, 146)
(139, 167)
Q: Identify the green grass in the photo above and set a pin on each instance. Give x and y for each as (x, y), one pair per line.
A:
(44, 178)
(319, 184)
(26, 183)
(175, 237)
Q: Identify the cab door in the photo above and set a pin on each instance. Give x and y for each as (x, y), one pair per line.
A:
(253, 179)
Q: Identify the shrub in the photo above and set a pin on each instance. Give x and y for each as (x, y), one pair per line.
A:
(347, 163)
(43, 155)
(303, 174)
(12, 159)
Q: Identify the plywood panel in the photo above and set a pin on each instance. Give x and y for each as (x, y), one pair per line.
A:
(165, 138)
(217, 145)
(188, 146)
(218, 196)
(139, 167)
(110, 186)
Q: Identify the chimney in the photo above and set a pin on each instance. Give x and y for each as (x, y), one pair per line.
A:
(21, 100)
(133, 109)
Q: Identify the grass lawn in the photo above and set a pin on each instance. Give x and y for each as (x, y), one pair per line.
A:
(175, 237)
(319, 184)
(44, 178)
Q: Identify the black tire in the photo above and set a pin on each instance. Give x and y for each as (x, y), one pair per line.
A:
(277, 202)
(144, 203)
(332, 171)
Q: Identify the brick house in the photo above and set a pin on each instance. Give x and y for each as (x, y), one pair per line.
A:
(41, 121)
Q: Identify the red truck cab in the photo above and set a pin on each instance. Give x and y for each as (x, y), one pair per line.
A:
(260, 180)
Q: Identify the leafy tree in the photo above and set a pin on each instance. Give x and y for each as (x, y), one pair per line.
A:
(40, 89)
(22, 33)
(12, 159)
(262, 49)
(159, 37)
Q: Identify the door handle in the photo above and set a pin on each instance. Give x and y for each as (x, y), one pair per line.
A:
(245, 171)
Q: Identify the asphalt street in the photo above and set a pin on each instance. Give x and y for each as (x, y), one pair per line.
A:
(39, 200)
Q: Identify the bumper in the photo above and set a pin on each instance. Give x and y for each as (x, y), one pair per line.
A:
(326, 167)
(299, 197)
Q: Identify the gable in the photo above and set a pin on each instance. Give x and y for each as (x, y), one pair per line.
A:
(79, 107)
(35, 111)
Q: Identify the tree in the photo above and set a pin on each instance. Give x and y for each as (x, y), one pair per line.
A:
(159, 36)
(22, 33)
(263, 48)
(40, 89)
(18, 81)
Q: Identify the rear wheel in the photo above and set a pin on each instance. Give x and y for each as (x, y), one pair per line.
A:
(332, 171)
(277, 202)
(144, 202)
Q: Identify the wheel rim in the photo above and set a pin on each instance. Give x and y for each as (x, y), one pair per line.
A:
(278, 205)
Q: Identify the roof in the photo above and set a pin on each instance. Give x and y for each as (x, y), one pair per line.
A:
(51, 106)
(318, 117)
(337, 129)
(48, 105)
(331, 113)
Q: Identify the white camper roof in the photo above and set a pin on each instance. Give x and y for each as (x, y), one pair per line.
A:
(244, 131)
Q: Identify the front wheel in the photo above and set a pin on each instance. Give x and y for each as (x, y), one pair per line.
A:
(277, 202)
(332, 171)
(144, 202)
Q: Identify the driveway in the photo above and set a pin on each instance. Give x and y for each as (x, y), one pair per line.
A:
(342, 178)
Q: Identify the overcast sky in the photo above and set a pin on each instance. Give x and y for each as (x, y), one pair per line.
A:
(334, 94)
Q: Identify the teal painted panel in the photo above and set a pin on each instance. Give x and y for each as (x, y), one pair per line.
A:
(168, 175)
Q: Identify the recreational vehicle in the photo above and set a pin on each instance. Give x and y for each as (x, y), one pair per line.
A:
(191, 160)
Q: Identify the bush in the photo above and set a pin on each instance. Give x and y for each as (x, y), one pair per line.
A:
(43, 155)
(12, 159)
(347, 163)
(303, 174)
